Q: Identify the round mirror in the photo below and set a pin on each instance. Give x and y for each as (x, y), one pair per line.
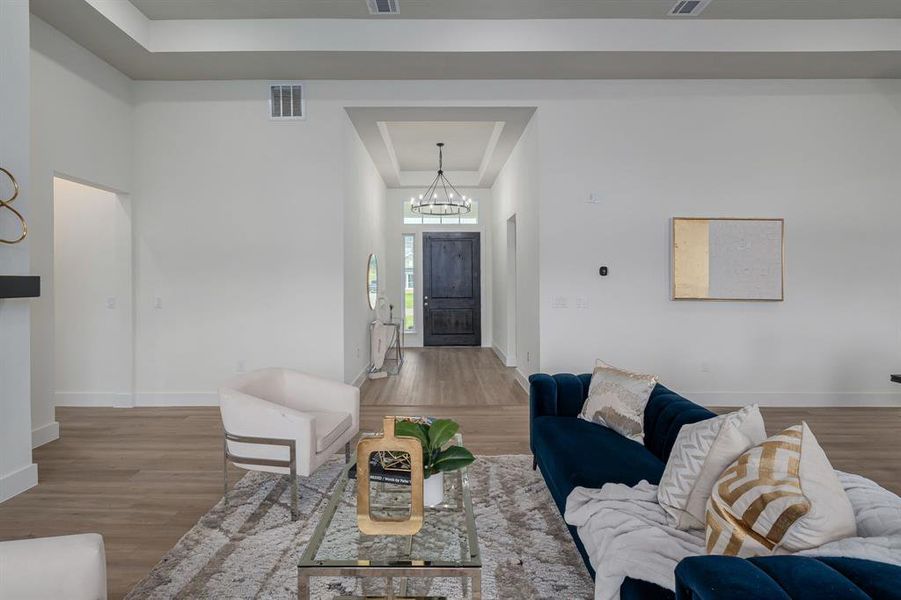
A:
(372, 281)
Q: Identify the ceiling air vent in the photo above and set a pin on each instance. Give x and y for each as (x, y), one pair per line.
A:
(286, 100)
(688, 8)
(383, 7)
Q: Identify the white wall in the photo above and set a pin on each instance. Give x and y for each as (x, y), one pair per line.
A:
(821, 154)
(82, 129)
(238, 238)
(364, 234)
(395, 280)
(92, 295)
(516, 193)
(240, 230)
(17, 472)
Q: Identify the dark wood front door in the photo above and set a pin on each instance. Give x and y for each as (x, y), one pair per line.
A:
(451, 289)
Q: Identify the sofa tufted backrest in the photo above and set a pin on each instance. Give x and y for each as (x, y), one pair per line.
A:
(666, 413)
(563, 395)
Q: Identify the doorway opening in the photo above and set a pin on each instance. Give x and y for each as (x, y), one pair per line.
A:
(92, 296)
(451, 289)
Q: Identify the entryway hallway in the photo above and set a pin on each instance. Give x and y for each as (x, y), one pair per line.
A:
(469, 385)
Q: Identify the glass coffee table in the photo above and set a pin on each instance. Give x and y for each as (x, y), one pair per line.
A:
(446, 547)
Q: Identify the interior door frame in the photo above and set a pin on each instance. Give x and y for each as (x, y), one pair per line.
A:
(510, 285)
(476, 287)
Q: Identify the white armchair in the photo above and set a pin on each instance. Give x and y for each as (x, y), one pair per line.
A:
(69, 566)
(284, 421)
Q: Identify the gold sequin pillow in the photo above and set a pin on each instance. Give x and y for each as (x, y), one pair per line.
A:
(779, 497)
(616, 399)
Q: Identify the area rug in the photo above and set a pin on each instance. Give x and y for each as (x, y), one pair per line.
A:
(249, 547)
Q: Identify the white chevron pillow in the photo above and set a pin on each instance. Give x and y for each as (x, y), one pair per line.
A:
(701, 453)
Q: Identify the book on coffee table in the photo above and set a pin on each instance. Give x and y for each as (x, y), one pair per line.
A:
(379, 473)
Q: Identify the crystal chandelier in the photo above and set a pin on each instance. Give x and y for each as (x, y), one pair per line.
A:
(441, 198)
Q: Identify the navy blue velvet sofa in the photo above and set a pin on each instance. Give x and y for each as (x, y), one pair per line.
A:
(571, 452)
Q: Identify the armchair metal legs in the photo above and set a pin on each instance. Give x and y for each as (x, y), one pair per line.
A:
(290, 464)
(347, 452)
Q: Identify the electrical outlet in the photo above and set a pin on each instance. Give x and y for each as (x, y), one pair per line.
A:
(560, 302)
(111, 302)
(705, 367)
(240, 367)
(158, 303)
(528, 357)
(358, 352)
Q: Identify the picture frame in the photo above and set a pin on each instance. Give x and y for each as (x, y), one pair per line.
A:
(738, 259)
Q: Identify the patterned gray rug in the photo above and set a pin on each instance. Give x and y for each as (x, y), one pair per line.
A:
(250, 548)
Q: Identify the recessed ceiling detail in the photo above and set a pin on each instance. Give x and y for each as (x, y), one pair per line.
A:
(516, 9)
(716, 44)
(478, 141)
(414, 144)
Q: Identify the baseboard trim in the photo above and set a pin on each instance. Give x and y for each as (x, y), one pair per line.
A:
(108, 399)
(44, 434)
(522, 380)
(508, 361)
(361, 377)
(13, 484)
(499, 353)
(797, 399)
(177, 399)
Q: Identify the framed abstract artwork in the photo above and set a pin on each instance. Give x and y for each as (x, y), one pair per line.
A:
(728, 259)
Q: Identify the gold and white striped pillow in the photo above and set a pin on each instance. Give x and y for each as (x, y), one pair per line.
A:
(779, 497)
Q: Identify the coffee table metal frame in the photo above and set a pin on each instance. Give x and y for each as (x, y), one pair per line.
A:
(469, 568)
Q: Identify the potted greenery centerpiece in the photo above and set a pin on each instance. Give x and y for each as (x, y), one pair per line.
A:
(436, 459)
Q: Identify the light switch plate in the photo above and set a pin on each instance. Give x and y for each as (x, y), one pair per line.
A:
(560, 302)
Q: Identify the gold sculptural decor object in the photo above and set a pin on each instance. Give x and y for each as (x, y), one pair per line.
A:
(366, 521)
(5, 204)
(400, 461)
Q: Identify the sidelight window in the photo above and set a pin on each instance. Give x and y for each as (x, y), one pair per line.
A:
(409, 282)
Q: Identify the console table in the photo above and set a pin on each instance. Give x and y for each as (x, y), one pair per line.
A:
(896, 378)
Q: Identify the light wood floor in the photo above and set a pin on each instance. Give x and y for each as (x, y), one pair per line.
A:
(448, 377)
(142, 477)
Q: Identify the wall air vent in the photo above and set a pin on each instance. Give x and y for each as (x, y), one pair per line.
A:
(286, 100)
(383, 7)
(688, 8)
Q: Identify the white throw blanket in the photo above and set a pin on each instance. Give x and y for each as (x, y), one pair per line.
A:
(628, 534)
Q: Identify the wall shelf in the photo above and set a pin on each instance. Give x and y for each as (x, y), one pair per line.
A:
(20, 286)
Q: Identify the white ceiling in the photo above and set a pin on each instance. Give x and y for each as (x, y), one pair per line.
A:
(525, 48)
(478, 141)
(516, 9)
(465, 144)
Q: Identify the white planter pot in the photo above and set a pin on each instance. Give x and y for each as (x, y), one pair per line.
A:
(433, 490)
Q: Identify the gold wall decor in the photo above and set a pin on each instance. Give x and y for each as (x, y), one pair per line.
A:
(372, 525)
(728, 259)
(6, 204)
